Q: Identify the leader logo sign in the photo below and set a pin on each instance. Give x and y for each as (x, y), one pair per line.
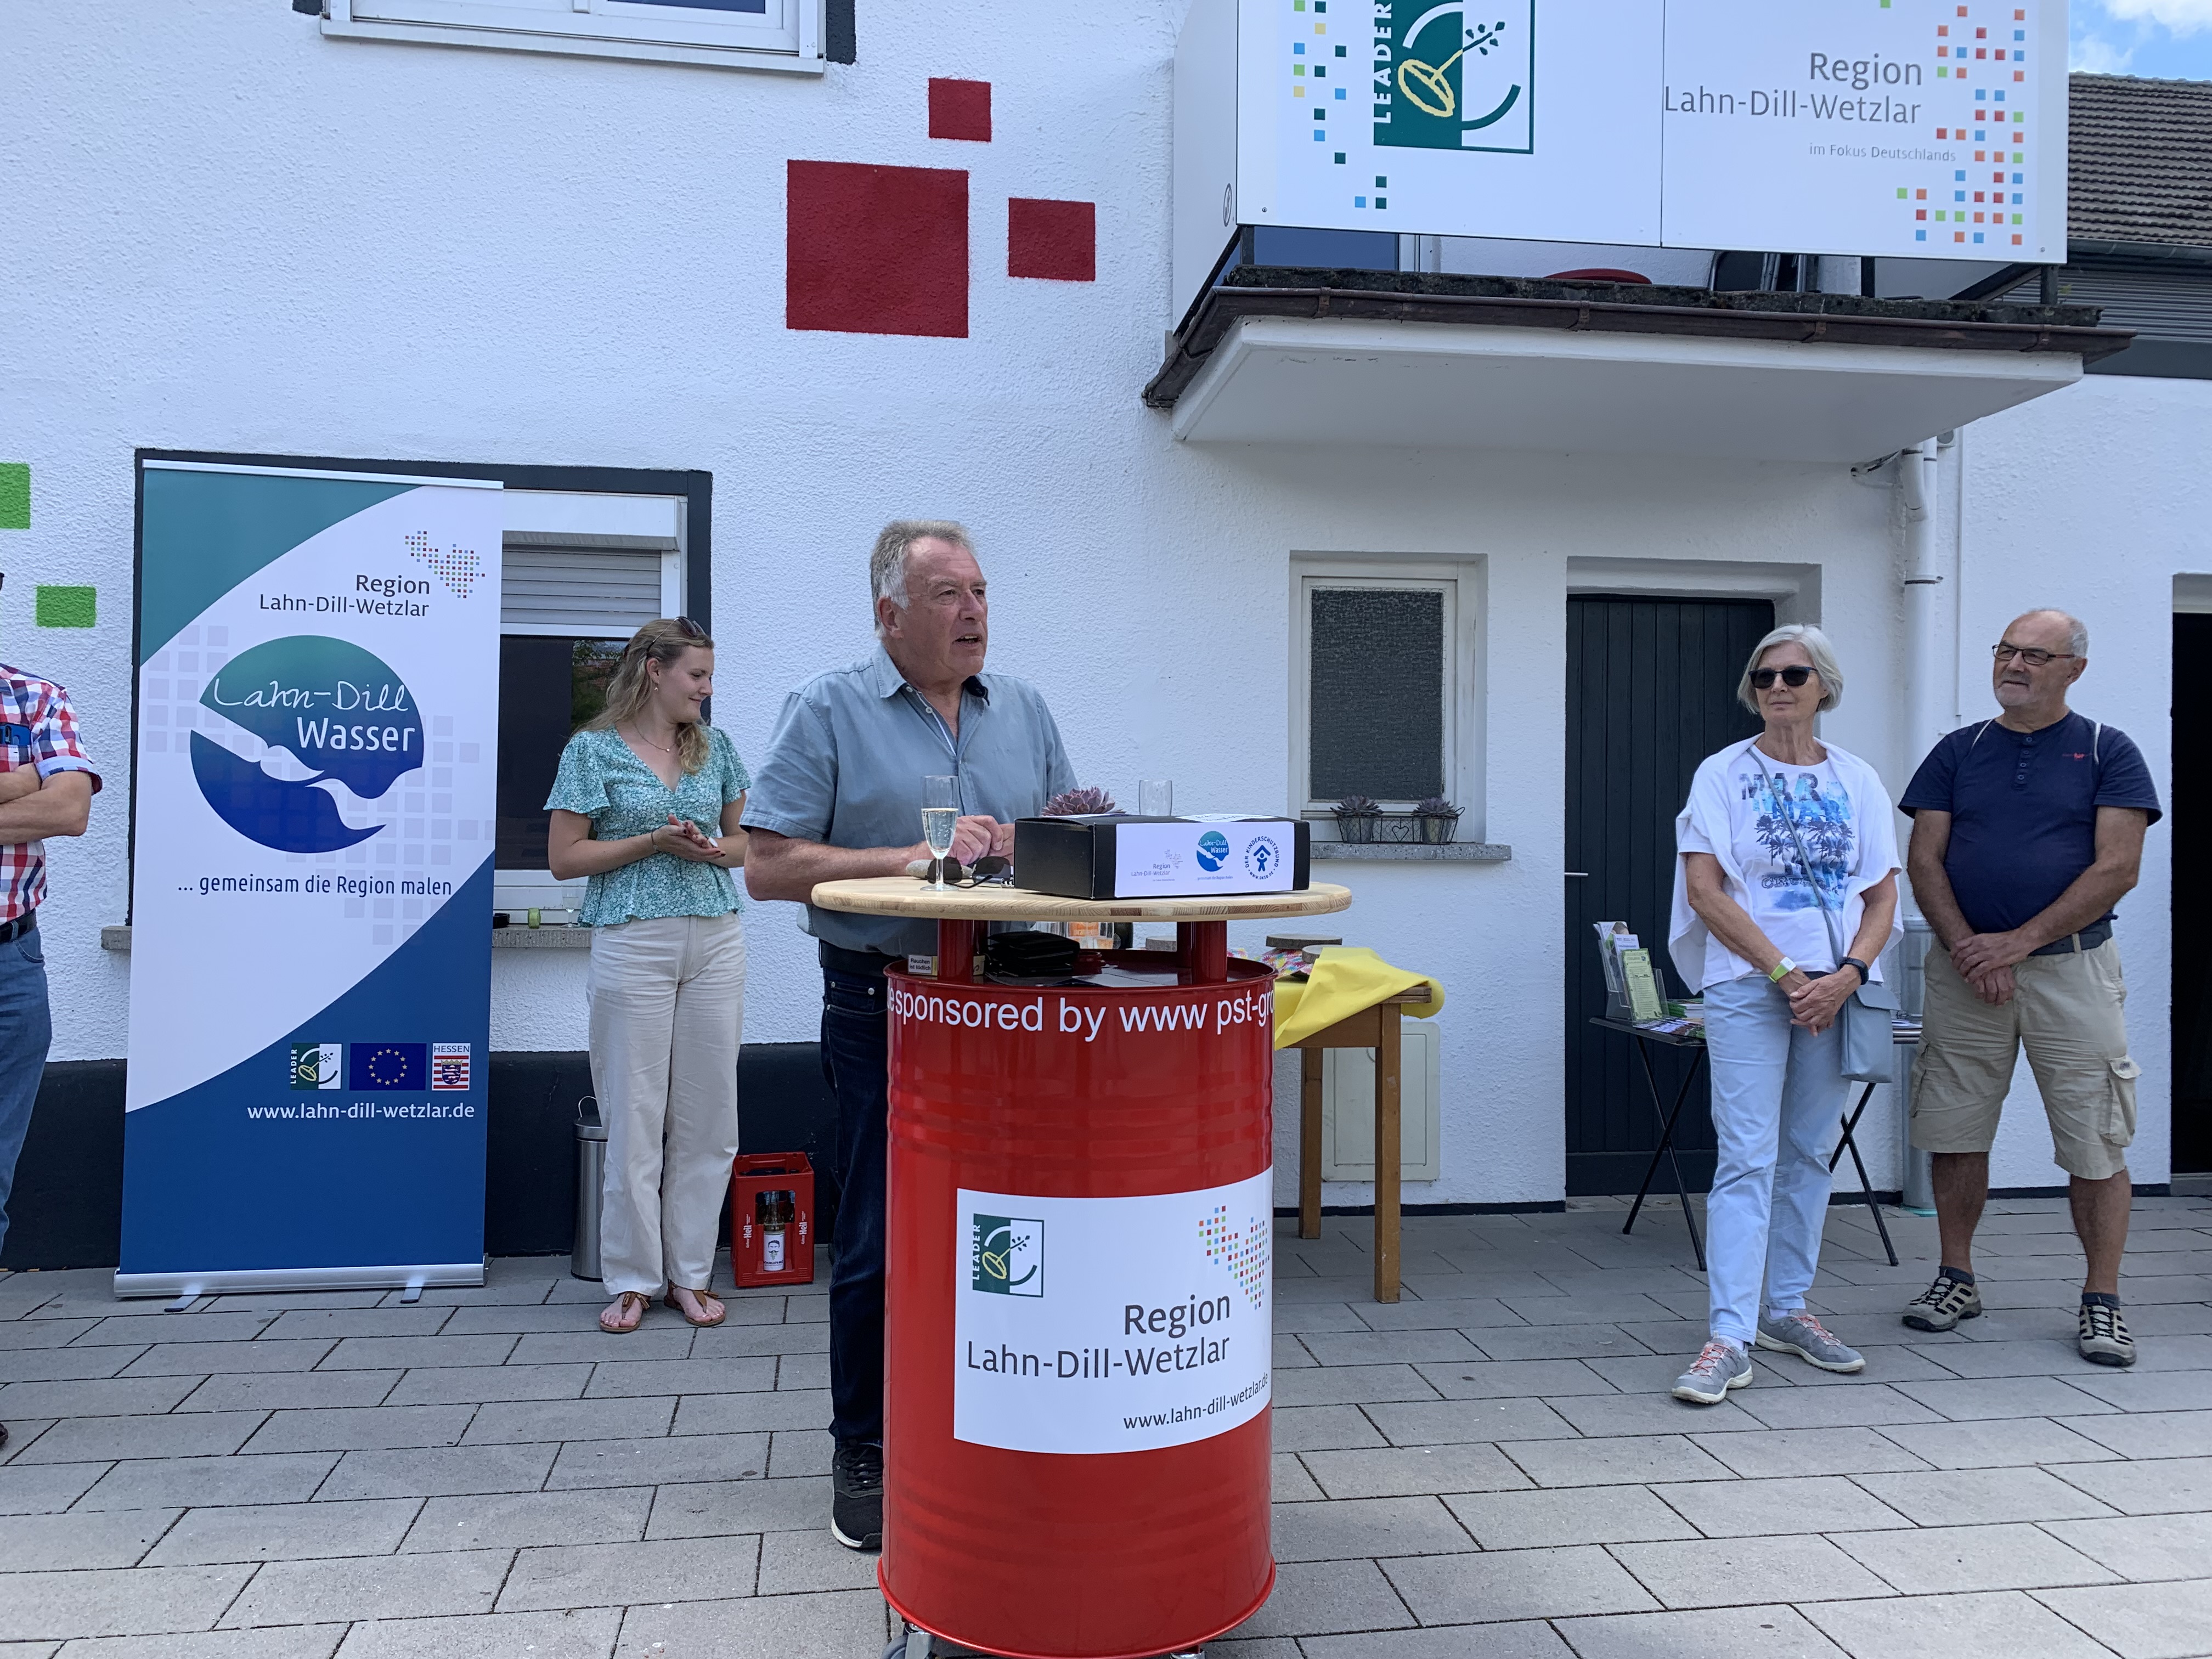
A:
(1458, 75)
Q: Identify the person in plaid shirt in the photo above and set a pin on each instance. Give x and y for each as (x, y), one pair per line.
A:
(46, 785)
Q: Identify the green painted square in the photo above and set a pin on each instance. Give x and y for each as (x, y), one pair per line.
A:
(15, 495)
(68, 607)
(1900, 193)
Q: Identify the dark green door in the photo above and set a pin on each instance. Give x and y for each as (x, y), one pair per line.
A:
(1651, 692)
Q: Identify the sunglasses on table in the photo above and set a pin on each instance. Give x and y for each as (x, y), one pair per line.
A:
(986, 871)
(1764, 678)
(2005, 651)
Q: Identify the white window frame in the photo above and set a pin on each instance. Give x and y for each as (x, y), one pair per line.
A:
(788, 39)
(1460, 582)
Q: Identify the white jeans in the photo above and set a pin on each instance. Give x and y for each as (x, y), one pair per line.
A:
(668, 1008)
(1778, 1095)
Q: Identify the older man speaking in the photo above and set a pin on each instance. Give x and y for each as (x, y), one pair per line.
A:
(839, 795)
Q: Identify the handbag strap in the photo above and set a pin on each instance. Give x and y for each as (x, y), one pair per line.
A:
(1782, 805)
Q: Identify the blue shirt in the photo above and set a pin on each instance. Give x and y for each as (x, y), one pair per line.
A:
(2023, 808)
(602, 777)
(845, 765)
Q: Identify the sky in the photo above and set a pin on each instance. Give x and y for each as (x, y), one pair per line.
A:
(2168, 39)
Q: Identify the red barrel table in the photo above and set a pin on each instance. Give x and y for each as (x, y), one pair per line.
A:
(1078, 1315)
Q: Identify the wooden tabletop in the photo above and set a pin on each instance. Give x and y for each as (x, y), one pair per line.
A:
(907, 895)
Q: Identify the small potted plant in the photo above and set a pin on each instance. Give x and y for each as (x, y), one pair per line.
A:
(1438, 820)
(1356, 818)
(1081, 803)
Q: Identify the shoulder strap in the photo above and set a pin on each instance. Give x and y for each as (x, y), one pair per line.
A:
(1979, 733)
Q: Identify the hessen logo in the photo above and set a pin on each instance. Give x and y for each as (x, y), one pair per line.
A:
(1262, 858)
(337, 709)
(1459, 75)
(1006, 1257)
(1212, 850)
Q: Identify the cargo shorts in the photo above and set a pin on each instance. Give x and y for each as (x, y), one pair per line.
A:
(2066, 1012)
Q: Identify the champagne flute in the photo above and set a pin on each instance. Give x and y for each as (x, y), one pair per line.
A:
(940, 813)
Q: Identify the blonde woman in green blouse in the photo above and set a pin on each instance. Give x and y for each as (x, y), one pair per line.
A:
(647, 804)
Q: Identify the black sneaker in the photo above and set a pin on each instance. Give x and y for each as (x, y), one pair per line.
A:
(2104, 1338)
(1943, 1304)
(856, 1495)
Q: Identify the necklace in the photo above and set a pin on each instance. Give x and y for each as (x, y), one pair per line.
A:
(664, 749)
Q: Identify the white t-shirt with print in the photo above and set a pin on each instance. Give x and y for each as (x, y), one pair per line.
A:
(1777, 887)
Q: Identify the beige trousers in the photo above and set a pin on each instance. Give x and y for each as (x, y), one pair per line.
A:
(668, 1006)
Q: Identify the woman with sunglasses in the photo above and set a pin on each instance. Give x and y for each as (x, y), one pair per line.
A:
(1782, 837)
(647, 804)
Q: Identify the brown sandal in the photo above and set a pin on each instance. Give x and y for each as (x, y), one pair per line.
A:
(721, 1314)
(620, 1309)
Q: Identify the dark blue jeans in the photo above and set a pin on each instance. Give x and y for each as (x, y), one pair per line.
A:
(856, 1060)
(27, 1031)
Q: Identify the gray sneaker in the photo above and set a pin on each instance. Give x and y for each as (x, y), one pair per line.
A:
(1943, 1304)
(2104, 1335)
(1721, 1366)
(1800, 1333)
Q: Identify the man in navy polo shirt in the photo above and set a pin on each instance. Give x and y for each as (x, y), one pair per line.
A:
(2026, 830)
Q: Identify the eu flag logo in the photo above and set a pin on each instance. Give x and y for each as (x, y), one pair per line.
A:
(388, 1066)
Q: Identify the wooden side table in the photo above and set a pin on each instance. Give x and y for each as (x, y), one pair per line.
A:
(1376, 1028)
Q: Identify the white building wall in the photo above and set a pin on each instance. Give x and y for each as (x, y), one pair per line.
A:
(228, 233)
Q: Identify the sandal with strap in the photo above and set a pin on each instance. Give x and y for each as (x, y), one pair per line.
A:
(705, 1298)
(619, 1307)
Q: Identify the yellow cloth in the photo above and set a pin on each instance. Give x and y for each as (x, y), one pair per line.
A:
(1346, 979)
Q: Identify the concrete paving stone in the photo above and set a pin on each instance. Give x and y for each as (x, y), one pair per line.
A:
(1793, 1504)
(2002, 1396)
(1288, 1354)
(330, 1323)
(1514, 1378)
(1336, 1287)
(613, 1379)
(796, 1453)
(449, 1385)
(650, 1462)
(1772, 1633)
(1492, 1275)
(362, 1428)
(56, 1543)
(188, 1482)
(2169, 1319)
(110, 1397)
(2045, 1320)
(670, 1342)
(378, 1353)
(1719, 1571)
(711, 1508)
(574, 1290)
(2180, 1287)
(1556, 1342)
(1960, 1497)
(1654, 1411)
(273, 1302)
(285, 1642)
(1773, 1453)
(368, 1587)
(45, 1488)
(794, 1562)
(61, 1364)
(807, 1309)
(1296, 1318)
(1345, 1529)
(256, 1391)
(1557, 1583)
(2143, 1547)
(831, 1624)
(1391, 1347)
(17, 1334)
(2005, 1357)
(1884, 1365)
(2148, 1268)
(1587, 1308)
(1526, 1639)
(115, 1602)
(749, 1341)
(2147, 1621)
(441, 1472)
(1449, 1422)
(1986, 1624)
(2168, 1486)
(89, 1439)
(1938, 1560)
(1457, 1313)
(1548, 1518)
(286, 1532)
(1825, 1299)
(1617, 1281)
(132, 1330)
(558, 1318)
(1320, 1598)
(201, 1359)
(1865, 1405)
(22, 1434)
(1352, 1385)
(746, 1414)
(2010, 1443)
(1669, 1337)
(1628, 1460)
(595, 1575)
(1288, 1481)
(517, 1520)
(1404, 1471)
(572, 1633)
(1263, 1647)
(511, 1422)
(2150, 1434)
(1323, 1428)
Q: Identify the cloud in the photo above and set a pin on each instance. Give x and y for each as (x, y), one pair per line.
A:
(2182, 16)
(2093, 55)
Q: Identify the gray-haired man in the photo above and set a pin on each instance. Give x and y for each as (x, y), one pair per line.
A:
(839, 795)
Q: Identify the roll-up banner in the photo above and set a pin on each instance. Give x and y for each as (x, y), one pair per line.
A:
(311, 899)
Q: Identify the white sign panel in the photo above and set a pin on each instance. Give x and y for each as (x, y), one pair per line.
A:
(1092, 1325)
(1873, 127)
(1185, 858)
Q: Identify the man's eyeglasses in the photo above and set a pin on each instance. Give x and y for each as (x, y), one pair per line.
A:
(988, 871)
(1763, 678)
(2005, 651)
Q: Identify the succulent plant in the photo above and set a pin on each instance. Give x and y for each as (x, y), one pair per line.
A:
(1077, 803)
(1435, 806)
(1357, 807)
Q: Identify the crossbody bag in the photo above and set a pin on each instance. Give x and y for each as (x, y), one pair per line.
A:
(1865, 1022)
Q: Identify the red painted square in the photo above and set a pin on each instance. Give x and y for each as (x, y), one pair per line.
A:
(1056, 241)
(872, 250)
(960, 109)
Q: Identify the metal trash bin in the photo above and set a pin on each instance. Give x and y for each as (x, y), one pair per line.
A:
(1919, 1180)
(591, 1182)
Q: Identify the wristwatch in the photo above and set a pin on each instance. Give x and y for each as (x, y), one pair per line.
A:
(1866, 976)
(1781, 970)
